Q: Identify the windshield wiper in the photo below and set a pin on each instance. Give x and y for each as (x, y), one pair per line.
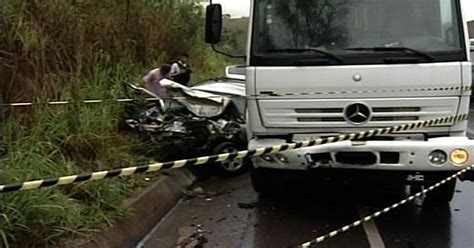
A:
(302, 50)
(394, 49)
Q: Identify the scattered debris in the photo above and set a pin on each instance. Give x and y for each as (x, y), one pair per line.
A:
(248, 205)
(198, 192)
(191, 237)
(221, 220)
(201, 193)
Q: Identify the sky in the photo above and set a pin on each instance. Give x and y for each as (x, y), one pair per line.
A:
(469, 9)
(239, 8)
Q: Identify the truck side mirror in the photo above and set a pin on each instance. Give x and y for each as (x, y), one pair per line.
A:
(213, 23)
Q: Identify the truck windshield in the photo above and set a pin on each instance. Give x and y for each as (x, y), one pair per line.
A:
(428, 27)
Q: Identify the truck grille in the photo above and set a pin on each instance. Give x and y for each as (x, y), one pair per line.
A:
(356, 158)
(382, 111)
(304, 113)
(395, 110)
(319, 110)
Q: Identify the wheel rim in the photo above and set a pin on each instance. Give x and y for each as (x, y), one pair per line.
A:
(232, 165)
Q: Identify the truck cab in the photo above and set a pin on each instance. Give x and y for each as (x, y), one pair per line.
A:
(324, 68)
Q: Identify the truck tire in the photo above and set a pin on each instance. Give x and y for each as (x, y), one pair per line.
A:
(264, 181)
(442, 195)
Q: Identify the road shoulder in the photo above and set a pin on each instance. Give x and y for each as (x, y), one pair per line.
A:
(148, 208)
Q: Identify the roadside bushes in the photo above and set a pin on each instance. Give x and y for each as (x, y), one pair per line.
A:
(62, 41)
(76, 50)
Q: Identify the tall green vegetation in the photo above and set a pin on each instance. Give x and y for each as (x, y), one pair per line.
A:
(72, 50)
(62, 41)
(236, 31)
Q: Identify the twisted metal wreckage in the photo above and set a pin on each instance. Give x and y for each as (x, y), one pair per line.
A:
(205, 119)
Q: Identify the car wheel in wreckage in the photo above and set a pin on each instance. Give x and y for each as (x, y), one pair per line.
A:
(232, 167)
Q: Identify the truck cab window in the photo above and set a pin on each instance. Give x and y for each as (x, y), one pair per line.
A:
(430, 26)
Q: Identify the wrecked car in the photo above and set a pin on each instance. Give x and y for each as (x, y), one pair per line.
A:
(208, 118)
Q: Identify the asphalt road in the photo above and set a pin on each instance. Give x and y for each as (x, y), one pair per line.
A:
(228, 213)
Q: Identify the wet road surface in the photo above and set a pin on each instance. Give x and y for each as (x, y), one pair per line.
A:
(232, 215)
(228, 213)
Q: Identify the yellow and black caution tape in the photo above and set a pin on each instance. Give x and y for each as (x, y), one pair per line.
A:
(262, 94)
(433, 89)
(58, 103)
(384, 211)
(124, 100)
(227, 156)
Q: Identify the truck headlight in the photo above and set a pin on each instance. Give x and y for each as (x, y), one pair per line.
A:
(438, 157)
(459, 157)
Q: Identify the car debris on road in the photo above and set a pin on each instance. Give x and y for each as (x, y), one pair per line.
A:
(191, 237)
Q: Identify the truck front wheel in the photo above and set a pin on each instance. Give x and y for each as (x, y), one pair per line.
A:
(442, 195)
(264, 181)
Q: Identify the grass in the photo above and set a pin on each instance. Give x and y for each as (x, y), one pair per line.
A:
(73, 50)
(65, 141)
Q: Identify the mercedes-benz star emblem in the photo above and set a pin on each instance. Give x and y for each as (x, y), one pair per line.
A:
(357, 113)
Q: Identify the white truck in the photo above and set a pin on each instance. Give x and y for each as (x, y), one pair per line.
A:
(320, 68)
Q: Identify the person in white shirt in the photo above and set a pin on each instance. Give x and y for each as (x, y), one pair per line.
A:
(153, 78)
(181, 71)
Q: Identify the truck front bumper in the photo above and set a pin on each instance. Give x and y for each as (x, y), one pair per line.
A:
(404, 155)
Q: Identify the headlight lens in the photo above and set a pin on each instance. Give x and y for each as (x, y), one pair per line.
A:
(438, 157)
(459, 157)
